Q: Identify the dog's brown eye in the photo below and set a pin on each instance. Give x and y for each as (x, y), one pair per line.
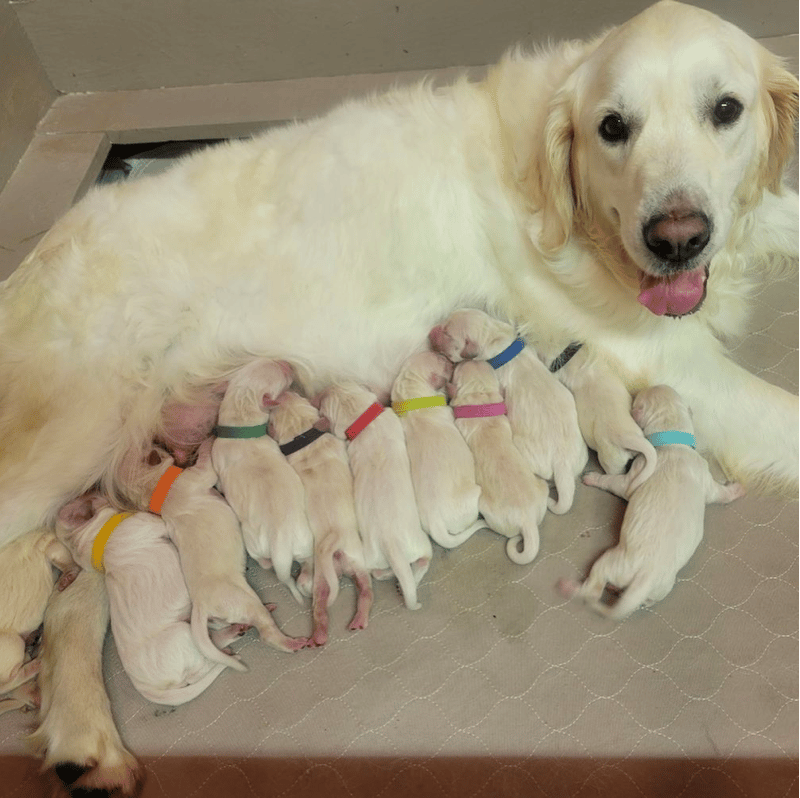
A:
(727, 111)
(613, 129)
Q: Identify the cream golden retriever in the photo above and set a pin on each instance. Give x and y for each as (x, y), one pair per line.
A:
(624, 191)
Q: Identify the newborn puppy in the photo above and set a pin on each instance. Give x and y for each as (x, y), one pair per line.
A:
(442, 469)
(148, 601)
(604, 415)
(385, 504)
(541, 411)
(260, 486)
(663, 523)
(513, 499)
(320, 461)
(206, 532)
(26, 577)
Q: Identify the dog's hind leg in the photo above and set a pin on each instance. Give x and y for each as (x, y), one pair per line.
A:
(76, 731)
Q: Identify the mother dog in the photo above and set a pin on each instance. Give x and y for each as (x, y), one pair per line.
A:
(624, 192)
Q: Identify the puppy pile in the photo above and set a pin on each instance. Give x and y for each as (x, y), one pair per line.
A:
(335, 485)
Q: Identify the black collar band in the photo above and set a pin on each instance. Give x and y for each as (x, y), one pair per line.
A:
(565, 357)
(301, 441)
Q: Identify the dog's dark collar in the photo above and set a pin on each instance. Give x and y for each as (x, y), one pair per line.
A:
(301, 441)
(507, 354)
(565, 357)
(256, 431)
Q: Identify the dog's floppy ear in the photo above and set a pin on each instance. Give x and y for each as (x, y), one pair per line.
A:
(781, 109)
(550, 179)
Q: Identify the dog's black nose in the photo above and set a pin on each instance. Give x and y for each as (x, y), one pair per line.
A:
(678, 236)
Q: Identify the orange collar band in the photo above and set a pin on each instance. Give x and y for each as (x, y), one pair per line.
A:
(99, 545)
(162, 489)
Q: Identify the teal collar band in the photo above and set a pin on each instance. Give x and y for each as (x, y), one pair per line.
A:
(256, 431)
(671, 436)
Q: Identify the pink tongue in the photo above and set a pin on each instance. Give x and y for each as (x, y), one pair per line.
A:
(676, 295)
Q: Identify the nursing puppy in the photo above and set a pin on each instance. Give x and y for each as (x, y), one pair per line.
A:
(442, 469)
(258, 483)
(663, 523)
(541, 411)
(26, 579)
(324, 470)
(148, 601)
(206, 533)
(513, 499)
(604, 415)
(76, 731)
(386, 507)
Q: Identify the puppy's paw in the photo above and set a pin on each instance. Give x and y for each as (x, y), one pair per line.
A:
(567, 588)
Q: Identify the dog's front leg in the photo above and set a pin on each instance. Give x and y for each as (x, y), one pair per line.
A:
(76, 732)
(750, 426)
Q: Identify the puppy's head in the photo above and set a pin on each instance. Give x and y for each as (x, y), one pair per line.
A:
(292, 415)
(660, 408)
(77, 513)
(470, 334)
(342, 403)
(422, 373)
(655, 143)
(475, 378)
(256, 387)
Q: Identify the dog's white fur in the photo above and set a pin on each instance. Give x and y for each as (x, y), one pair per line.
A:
(26, 577)
(496, 194)
(442, 468)
(541, 411)
(75, 727)
(148, 601)
(663, 522)
(324, 471)
(386, 507)
(258, 483)
(513, 499)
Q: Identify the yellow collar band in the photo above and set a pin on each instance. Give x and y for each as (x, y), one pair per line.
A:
(99, 545)
(401, 408)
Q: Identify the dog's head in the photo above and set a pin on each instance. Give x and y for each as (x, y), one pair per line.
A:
(659, 408)
(670, 127)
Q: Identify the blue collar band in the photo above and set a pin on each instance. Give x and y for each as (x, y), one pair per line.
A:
(671, 436)
(507, 354)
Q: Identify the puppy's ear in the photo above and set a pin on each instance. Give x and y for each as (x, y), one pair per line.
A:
(781, 109)
(451, 390)
(549, 178)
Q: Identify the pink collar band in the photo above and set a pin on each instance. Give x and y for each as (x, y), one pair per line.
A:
(480, 411)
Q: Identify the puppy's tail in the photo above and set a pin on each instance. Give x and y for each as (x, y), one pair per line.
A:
(646, 464)
(449, 540)
(405, 576)
(565, 487)
(180, 695)
(199, 623)
(529, 538)
(633, 597)
(282, 565)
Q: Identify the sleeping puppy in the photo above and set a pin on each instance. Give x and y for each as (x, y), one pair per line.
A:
(442, 469)
(148, 601)
(260, 486)
(386, 507)
(513, 499)
(320, 461)
(604, 415)
(206, 532)
(541, 411)
(76, 731)
(26, 576)
(663, 523)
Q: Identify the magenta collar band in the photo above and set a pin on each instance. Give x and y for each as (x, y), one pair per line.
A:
(479, 411)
